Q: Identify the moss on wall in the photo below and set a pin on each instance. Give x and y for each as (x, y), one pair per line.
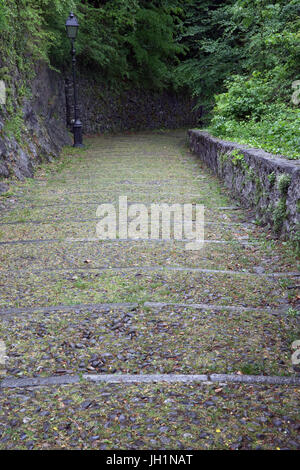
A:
(267, 183)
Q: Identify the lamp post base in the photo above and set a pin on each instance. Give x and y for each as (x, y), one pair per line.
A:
(77, 131)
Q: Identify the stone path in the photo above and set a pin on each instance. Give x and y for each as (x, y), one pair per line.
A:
(73, 307)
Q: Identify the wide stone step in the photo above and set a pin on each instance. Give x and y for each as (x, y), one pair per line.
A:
(150, 416)
(58, 212)
(138, 285)
(88, 229)
(43, 254)
(151, 339)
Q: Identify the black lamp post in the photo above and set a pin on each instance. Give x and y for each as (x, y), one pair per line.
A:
(72, 28)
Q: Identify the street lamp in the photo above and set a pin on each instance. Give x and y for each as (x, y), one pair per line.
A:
(72, 28)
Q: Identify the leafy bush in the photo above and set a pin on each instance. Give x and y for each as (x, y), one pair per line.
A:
(3, 15)
(253, 112)
(253, 97)
(278, 134)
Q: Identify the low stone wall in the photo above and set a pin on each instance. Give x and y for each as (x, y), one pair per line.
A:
(265, 182)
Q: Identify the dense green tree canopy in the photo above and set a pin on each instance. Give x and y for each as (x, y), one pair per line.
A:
(130, 40)
(240, 56)
(198, 43)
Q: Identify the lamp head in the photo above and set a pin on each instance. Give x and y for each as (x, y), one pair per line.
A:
(72, 26)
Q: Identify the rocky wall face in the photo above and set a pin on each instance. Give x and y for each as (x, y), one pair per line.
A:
(265, 182)
(44, 132)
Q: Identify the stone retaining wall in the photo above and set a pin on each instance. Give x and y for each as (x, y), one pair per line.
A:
(265, 182)
(45, 132)
(104, 110)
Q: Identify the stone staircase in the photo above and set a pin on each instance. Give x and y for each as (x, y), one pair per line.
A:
(142, 344)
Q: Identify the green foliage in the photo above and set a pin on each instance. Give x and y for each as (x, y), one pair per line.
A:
(237, 158)
(292, 312)
(210, 35)
(122, 40)
(234, 37)
(283, 183)
(15, 125)
(256, 111)
(3, 15)
(153, 47)
(272, 178)
(253, 97)
(238, 57)
(279, 214)
(277, 132)
(243, 57)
